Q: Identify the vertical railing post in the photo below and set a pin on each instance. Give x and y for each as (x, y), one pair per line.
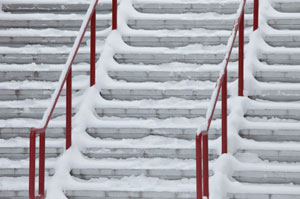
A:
(42, 163)
(256, 14)
(205, 166)
(32, 164)
(114, 14)
(241, 55)
(224, 114)
(93, 50)
(199, 166)
(69, 109)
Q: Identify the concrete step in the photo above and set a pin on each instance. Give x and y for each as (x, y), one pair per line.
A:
(139, 94)
(24, 132)
(112, 133)
(21, 172)
(282, 94)
(285, 23)
(194, 7)
(279, 57)
(259, 195)
(168, 75)
(19, 41)
(166, 174)
(160, 113)
(36, 112)
(291, 40)
(23, 94)
(267, 177)
(17, 153)
(288, 7)
(138, 133)
(154, 58)
(275, 112)
(58, 8)
(28, 112)
(130, 194)
(35, 75)
(60, 24)
(89, 194)
(179, 23)
(122, 153)
(271, 135)
(273, 73)
(43, 58)
(280, 154)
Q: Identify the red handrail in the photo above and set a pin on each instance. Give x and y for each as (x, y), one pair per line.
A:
(65, 77)
(202, 170)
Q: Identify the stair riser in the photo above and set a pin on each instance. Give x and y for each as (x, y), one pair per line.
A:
(202, 58)
(36, 75)
(29, 94)
(54, 8)
(43, 58)
(141, 76)
(223, 24)
(155, 113)
(264, 135)
(146, 153)
(56, 24)
(179, 8)
(137, 95)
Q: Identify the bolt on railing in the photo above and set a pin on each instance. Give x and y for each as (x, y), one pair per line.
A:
(66, 77)
(202, 166)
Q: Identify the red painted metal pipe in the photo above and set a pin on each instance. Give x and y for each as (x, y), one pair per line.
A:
(93, 50)
(42, 165)
(241, 55)
(69, 110)
(199, 165)
(114, 14)
(205, 166)
(224, 114)
(32, 164)
(256, 15)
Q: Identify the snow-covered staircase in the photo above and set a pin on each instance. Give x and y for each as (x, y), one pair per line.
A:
(141, 142)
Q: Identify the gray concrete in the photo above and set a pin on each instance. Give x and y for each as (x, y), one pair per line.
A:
(162, 58)
(262, 196)
(138, 133)
(212, 24)
(195, 7)
(22, 94)
(10, 132)
(121, 153)
(35, 75)
(290, 7)
(278, 76)
(273, 155)
(54, 8)
(139, 94)
(164, 76)
(63, 24)
(42, 58)
(281, 113)
(286, 23)
(89, 194)
(161, 113)
(17, 153)
(166, 174)
(267, 177)
(276, 135)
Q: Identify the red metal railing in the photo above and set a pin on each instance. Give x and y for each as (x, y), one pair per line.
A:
(66, 77)
(202, 168)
